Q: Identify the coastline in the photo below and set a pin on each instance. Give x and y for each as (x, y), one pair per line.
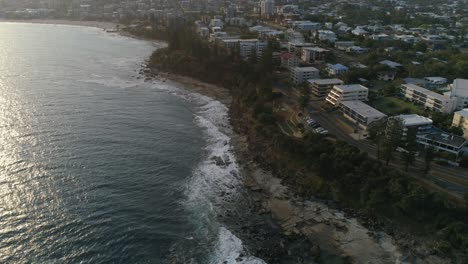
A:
(96, 24)
(326, 230)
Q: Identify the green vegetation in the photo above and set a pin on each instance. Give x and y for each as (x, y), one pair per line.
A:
(313, 166)
(396, 106)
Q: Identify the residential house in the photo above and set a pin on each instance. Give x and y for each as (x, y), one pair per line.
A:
(391, 64)
(344, 45)
(336, 69)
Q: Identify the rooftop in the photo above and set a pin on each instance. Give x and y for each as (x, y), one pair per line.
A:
(446, 138)
(337, 67)
(414, 120)
(305, 69)
(463, 113)
(391, 64)
(351, 87)
(363, 110)
(425, 91)
(325, 81)
(317, 49)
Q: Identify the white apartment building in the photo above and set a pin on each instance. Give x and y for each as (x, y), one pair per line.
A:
(460, 119)
(246, 46)
(321, 87)
(350, 92)
(420, 124)
(302, 74)
(459, 91)
(429, 99)
(360, 113)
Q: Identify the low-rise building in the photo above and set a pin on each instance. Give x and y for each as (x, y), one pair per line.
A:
(305, 25)
(302, 74)
(321, 87)
(344, 45)
(443, 142)
(289, 60)
(336, 69)
(460, 119)
(350, 92)
(419, 124)
(429, 99)
(326, 35)
(312, 54)
(360, 113)
(391, 64)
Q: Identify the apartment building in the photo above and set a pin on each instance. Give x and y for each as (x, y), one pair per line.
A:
(429, 99)
(444, 142)
(321, 87)
(350, 92)
(459, 91)
(246, 46)
(460, 119)
(302, 74)
(360, 113)
(289, 60)
(313, 54)
(420, 124)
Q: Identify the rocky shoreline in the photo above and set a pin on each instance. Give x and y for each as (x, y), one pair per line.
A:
(279, 227)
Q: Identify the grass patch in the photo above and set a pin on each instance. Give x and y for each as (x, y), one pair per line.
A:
(396, 106)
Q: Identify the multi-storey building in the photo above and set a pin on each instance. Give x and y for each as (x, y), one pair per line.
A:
(460, 119)
(419, 124)
(429, 99)
(321, 87)
(246, 46)
(302, 74)
(267, 7)
(459, 91)
(360, 113)
(312, 54)
(350, 92)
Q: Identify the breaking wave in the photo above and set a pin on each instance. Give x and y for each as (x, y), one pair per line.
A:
(215, 184)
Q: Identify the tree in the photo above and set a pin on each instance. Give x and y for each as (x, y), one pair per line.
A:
(410, 144)
(465, 197)
(429, 155)
(305, 96)
(392, 138)
(253, 56)
(377, 133)
(455, 130)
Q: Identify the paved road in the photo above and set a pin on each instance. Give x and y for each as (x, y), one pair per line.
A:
(453, 180)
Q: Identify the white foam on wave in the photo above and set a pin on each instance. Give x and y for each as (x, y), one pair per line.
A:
(212, 187)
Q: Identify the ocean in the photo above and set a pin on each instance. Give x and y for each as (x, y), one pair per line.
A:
(98, 165)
